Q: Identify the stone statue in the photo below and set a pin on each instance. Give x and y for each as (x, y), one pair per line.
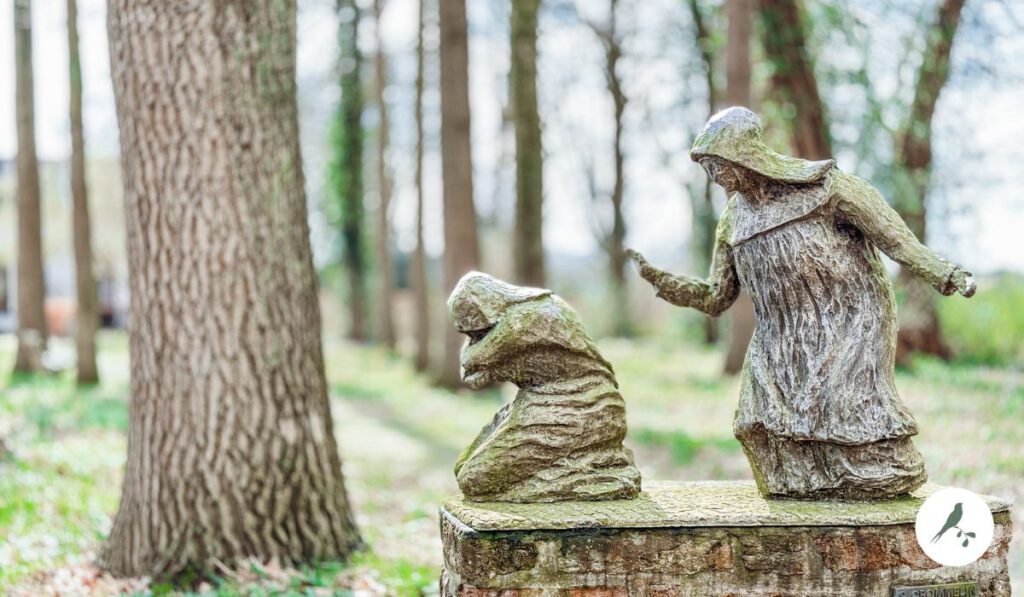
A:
(561, 438)
(818, 416)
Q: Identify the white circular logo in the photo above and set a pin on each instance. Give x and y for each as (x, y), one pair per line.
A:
(954, 527)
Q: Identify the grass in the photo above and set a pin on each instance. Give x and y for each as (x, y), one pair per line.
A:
(683, 448)
(399, 437)
(988, 329)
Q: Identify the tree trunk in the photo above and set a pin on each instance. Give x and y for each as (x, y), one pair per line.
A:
(32, 330)
(385, 273)
(785, 46)
(347, 168)
(421, 304)
(231, 449)
(703, 209)
(737, 93)
(529, 248)
(622, 321)
(85, 280)
(919, 320)
(461, 248)
(739, 33)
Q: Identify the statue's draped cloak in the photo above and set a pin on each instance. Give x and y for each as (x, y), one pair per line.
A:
(820, 363)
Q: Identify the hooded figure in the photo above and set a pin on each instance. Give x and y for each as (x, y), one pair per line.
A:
(561, 438)
(818, 414)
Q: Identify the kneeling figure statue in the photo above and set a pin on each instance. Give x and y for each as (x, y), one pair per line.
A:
(561, 437)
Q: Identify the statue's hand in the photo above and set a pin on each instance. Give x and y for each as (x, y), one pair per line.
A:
(964, 282)
(647, 271)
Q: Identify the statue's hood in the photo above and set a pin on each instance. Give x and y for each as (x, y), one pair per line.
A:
(735, 134)
(479, 300)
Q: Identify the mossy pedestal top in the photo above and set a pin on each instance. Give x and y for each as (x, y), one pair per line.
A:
(694, 504)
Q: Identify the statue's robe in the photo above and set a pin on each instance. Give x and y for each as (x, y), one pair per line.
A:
(819, 415)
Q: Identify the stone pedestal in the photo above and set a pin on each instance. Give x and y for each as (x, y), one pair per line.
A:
(708, 538)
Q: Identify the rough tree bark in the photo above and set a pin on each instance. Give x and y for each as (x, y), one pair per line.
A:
(919, 321)
(88, 312)
(32, 330)
(461, 247)
(347, 168)
(703, 209)
(421, 301)
(385, 273)
(529, 249)
(739, 35)
(231, 449)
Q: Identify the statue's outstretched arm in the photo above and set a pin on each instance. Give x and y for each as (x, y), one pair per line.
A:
(866, 209)
(712, 296)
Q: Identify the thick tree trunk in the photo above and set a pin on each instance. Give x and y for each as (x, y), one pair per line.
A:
(348, 167)
(421, 301)
(32, 330)
(919, 320)
(739, 35)
(785, 46)
(703, 209)
(529, 248)
(85, 280)
(461, 247)
(231, 449)
(385, 273)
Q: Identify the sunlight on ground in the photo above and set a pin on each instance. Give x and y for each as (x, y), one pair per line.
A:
(399, 437)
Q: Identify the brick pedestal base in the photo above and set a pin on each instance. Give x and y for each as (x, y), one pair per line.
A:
(704, 539)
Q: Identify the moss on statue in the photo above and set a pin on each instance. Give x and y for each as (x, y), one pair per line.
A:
(561, 438)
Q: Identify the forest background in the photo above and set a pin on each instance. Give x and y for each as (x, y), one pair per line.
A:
(558, 139)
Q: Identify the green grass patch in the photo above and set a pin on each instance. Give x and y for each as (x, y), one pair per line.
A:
(402, 577)
(56, 499)
(682, 446)
(989, 328)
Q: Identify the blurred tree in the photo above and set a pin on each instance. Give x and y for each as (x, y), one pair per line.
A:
(231, 448)
(385, 271)
(421, 301)
(703, 209)
(461, 247)
(614, 240)
(88, 317)
(793, 80)
(345, 172)
(739, 37)
(32, 330)
(529, 248)
(740, 32)
(919, 328)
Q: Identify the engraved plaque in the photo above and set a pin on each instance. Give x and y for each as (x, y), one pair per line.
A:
(953, 589)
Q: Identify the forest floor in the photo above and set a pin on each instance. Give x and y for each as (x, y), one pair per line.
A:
(61, 470)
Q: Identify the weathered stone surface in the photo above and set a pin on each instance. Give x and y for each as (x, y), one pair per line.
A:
(694, 504)
(561, 438)
(735, 544)
(819, 415)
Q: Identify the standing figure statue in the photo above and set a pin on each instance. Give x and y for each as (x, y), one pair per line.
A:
(818, 416)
